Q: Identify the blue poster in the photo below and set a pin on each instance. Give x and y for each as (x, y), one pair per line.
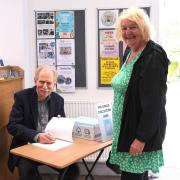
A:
(64, 24)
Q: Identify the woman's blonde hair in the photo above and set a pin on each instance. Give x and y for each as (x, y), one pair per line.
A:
(40, 68)
(140, 17)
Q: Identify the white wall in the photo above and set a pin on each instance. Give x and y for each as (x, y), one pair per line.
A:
(18, 43)
(13, 34)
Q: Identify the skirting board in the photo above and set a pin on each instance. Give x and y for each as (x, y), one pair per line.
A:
(99, 170)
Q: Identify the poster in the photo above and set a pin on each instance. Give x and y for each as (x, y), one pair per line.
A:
(109, 67)
(58, 44)
(104, 114)
(109, 46)
(107, 18)
(65, 52)
(65, 24)
(45, 24)
(46, 52)
(66, 78)
(110, 50)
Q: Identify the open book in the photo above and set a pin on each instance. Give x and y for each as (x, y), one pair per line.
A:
(62, 129)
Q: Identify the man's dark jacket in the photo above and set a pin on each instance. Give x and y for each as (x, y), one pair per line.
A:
(144, 115)
(23, 120)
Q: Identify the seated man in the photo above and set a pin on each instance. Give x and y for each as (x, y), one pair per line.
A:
(32, 109)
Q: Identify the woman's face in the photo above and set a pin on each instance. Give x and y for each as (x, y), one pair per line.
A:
(131, 34)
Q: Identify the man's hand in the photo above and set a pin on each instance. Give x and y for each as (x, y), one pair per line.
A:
(136, 147)
(46, 138)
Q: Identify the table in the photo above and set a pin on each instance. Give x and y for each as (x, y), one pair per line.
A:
(62, 158)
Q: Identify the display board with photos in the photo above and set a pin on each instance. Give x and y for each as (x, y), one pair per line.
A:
(110, 51)
(60, 43)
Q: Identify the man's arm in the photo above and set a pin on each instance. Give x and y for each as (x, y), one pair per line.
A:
(20, 124)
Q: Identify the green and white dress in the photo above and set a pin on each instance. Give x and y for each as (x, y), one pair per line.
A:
(134, 164)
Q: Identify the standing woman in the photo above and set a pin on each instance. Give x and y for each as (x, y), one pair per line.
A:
(139, 117)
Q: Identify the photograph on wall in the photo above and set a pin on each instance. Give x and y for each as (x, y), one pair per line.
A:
(46, 52)
(45, 22)
(66, 79)
(65, 24)
(65, 51)
(107, 18)
(109, 47)
(109, 67)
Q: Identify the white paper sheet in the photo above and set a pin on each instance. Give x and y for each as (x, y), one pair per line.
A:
(62, 129)
(59, 144)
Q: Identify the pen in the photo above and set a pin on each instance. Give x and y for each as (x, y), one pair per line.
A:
(64, 140)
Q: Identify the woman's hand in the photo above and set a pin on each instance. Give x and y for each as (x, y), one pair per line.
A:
(136, 147)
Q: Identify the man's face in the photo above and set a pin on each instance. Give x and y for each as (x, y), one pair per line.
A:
(44, 84)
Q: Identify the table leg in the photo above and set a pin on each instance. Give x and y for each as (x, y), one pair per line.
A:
(61, 174)
(92, 167)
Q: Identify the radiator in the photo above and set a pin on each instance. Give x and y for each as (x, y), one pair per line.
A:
(74, 109)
